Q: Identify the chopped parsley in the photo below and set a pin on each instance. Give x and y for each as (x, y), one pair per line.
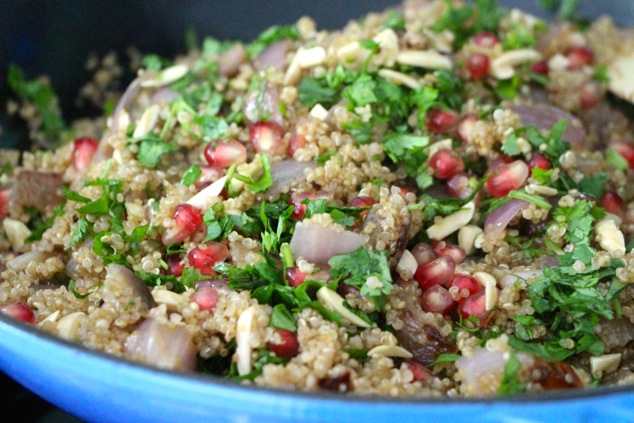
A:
(510, 383)
(151, 148)
(312, 91)
(282, 318)
(271, 35)
(191, 175)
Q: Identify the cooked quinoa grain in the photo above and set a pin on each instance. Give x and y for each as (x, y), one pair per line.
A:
(411, 206)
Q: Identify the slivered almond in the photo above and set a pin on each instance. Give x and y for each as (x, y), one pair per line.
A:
(467, 237)
(389, 351)
(200, 200)
(147, 122)
(68, 325)
(451, 223)
(428, 59)
(490, 290)
(334, 302)
(610, 237)
(165, 77)
(244, 333)
(387, 40)
(310, 57)
(318, 112)
(406, 266)
(169, 298)
(622, 77)
(502, 66)
(16, 231)
(399, 78)
(605, 363)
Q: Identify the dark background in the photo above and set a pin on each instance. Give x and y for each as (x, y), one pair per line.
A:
(55, 37)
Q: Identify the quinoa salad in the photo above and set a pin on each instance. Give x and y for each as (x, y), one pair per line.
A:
(434, 201)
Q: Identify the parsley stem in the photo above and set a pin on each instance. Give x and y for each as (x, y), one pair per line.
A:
(287, 256)
(531, 198)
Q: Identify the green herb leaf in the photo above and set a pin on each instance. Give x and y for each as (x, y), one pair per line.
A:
(615, 159)
(531, 198)
(446, 358)
(71, 288)
(361, 92)
(316, 91)
(73, 196)
(151, 150)
(510, 383)
(264, 181)
(510, 146)
(281, 318)
(269, 36)
(191, 175)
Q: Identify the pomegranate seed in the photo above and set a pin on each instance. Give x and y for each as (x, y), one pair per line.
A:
(83, 152)
(475, 305)
(445, 163)
(209, 174)
(500, 160)
(420, 373)
(423, 253)
(506, 178)
(626, 150)
(443, 248)
(288, 347)
(458, 186)
(295, 277)
(590, 95)
(266, 137)
(538, 160)
(5, 198)
(440, 121)
(405, 190)
(435, 272)
(540, 67)
(437, 299)
(188, 219)
(206, 298)
(226, 153)
(19, 311)
(297, 141)
(300, 209)
(175, 265)
(612, 203)
(465, 127)
(485, 39)
(579, 56)
(478, 66)
(362, 201)
(204, 259)
(467, 282)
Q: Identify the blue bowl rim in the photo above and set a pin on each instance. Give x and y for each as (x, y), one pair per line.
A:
(237, 387)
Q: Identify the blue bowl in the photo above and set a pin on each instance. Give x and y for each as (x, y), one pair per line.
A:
(98, 387)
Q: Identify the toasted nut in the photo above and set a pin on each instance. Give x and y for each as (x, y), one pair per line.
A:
(52, 317)
(169, 298)
(442, 41)
(609, 237)
(318, 112)
(166, 76)
(352, 54)
(490, 290)
(502, 66)
(244, 329)
(387, 40)
(68, 325)
(16, 231)
(479, 241)
(334, 302)
(147, 122)
(200, 200)
(428, 59)
(406, 266)
(452, 223)
(389, 351)
(310, 57)
(400, 78)
(622, 77)
(542, 189)
(605, 363)
(558, 62)
(467, 236)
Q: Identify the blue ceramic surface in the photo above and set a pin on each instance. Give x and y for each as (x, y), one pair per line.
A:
(99, 388)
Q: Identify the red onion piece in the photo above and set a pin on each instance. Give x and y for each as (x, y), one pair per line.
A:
(481, 372)
(500, 217)
(285, 173)
(118, 277)
(318, 244)
(23, 260)
(229, 62)
(258, 105)
(273, 56)
(163, 346)
(615, 333)
(215, 283)
(124, 103)
(164, 95)
(523, 275)
(544, 117)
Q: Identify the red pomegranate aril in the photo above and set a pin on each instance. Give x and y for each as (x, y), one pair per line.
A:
(478, 66)
(440, 121)
(204, 259)
(226, 153)
(5, 199)
(209, 174)
(485, 39)
(626, 150)
(266, 137)
(445, 163)
(475, 305)
(188, 218)
(540, 67)
(443, 248)
(19, 311)
(295, 277)
(419, 372)
(459, 186)
(288, 347)
(612, 203)
(538, 160)
(506, 178)
(362, 201)
(437, 299)
(579, 56)
(83, 152)
(296, 142)
(467, 282)
(175, 265)
(590, 96)
(465, 127)
(423, 253)
(500, 160)
(435, 272)
(206, 298)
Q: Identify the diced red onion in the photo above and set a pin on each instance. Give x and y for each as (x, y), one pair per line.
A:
(502, 216)
(544, 117)
(318, 244)
(118, 276)
(229, 62)
(258, 105)
(273, 56)
(23, 260)
(164, 95)
(481, 372)
(162, 345)
(124, 102)
(285, 173)
(615, 333)
(523, 275)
